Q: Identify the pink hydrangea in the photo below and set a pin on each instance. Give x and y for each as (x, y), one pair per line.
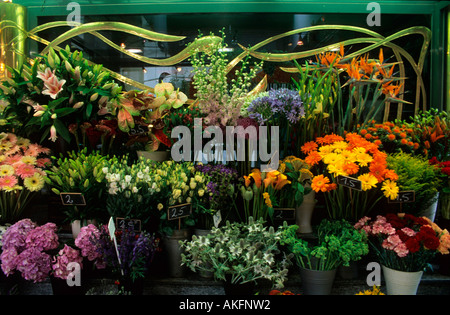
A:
(65, 256)
(86, 242)
(9, 260)
(16, 234)
(43, 237)
(34, 265)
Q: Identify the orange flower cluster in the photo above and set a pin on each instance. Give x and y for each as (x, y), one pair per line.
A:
(353, 156)
(275, 179)
(390, 137)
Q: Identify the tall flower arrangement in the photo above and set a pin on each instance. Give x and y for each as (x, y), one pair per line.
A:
(22, 174)
(55, 90)
(405, 242)
(333, 156)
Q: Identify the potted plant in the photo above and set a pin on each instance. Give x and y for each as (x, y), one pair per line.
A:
(337, 243)
(416, 174)
(239, 254)
(357, 160)
(80, 172)
(404, 245)
(22, 175)
(32, 251)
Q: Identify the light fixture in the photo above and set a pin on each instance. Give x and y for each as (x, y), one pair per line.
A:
(179, 69)
(300, 43)
(144, 70)
(135, 50)
(123, 45)
(226, 49)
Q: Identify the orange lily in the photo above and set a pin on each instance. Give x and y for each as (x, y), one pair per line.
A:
(281, 181)
(270, 178)
(256, 175)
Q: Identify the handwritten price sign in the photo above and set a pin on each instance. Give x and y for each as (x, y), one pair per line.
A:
(179, 211)
(72, 199)
(350, 182)
(281, 214)
(404, 197)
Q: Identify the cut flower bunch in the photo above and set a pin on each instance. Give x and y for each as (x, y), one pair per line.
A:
(22, 174)
(333, 156)
(405, 242)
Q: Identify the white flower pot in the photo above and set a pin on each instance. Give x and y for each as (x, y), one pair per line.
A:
(430, 212)
(401, 282)
(304, 213)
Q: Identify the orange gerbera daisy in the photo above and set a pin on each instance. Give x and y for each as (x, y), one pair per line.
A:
(313, 158)
(320, 183)
(350, 168)
(309, 146)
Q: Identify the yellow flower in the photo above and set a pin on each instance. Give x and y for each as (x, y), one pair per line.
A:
(6, 170)
(201, 192)
(332, 158)
(160, 206)
(390, 189)
(363, 159)
(30, 160)
(340, 145)
(267, 199)
(336, 169)
(35, 182)
(368, 181)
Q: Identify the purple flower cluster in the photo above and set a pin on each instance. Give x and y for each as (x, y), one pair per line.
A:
(86, 242)
(279, 104)
(218, 187)
(24, 249)
(65, 256)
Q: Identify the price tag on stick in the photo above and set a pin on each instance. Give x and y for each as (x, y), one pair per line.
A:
(282, 214)
(112, 235)
(350, 182)
(179, 212)
(405, 196)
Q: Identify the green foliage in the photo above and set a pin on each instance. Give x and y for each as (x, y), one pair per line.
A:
(338, 243)
(239, 251)
(417, 174)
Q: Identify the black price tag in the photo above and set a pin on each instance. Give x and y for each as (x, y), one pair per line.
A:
(179, 211)
(138, 130)
(283, 214)
(404, 197)
(72, 199)
(350, 182)
(129, 224)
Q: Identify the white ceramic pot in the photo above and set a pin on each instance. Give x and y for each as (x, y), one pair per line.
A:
(401, 282)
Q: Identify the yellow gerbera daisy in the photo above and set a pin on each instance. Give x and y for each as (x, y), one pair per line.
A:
(368, 181)
(35, 182)
(30, 160)
(6, 170)
(390, 189)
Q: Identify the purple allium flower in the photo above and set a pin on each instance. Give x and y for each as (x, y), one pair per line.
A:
(279, 104)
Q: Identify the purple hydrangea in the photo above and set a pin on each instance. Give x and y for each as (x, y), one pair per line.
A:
(34, 264)
(86, 242)
(16, 234)
(279, 104)
(43, 237)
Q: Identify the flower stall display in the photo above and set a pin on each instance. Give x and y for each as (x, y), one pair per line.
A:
(22, 174)
(339, 164)
(405, 243)
(32, 251)
(337, 243)
(239, 253)
(55, 90)
(417, 175)
(80, 173)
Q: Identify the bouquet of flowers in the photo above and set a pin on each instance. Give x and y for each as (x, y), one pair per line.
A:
(338, 243)
(298, 173)
(220, 190)
(56, 90)
(239, 253)
(262, 192)
(444, 194)
(405, 242)
(283, 108)
(391, 137)
(80, 172)
(22, 174)
(333, 156)
(27, 248)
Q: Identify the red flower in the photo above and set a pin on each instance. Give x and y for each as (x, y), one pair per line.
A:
(413, 245)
